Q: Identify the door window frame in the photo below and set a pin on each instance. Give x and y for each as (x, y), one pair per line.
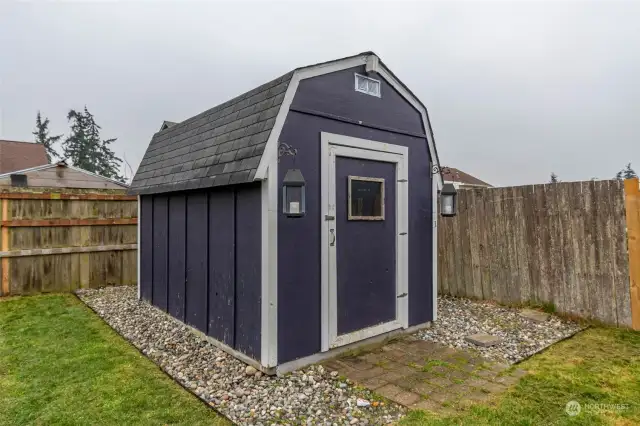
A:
(351, 216)
(332, 146)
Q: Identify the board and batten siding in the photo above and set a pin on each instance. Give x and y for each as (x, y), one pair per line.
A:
(200, 261)
(329, 103)
(62, 177)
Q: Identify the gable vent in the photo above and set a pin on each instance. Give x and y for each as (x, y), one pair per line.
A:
(367, 85)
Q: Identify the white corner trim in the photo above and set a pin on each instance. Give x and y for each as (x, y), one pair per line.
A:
(269, 271)
(324, 242)
(138, 251)
(434, 250)
(316, 70)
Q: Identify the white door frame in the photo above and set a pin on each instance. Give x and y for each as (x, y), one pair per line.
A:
(332, 146)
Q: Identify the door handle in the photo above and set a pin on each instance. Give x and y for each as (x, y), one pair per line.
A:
(333, 236)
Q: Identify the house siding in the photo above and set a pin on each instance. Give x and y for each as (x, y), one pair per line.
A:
(160, 251)
(222, 265)
(299, 255)
(177, 260)
(192, 245)
(63, 177)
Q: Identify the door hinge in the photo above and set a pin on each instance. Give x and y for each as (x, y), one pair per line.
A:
(403, 233)
(402, 295)
(402, 180)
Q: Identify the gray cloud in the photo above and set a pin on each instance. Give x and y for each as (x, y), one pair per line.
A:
(514, 90)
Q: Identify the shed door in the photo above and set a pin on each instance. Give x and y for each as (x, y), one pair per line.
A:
(364, 241)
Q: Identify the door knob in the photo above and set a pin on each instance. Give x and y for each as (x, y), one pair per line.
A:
(333, 237)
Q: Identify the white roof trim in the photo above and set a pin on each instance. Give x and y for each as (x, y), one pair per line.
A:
(271, 149)
(61, 164)
(30, 169)
(124, 185)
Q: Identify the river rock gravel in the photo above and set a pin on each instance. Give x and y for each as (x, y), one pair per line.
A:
(309, 396)
(521, 337)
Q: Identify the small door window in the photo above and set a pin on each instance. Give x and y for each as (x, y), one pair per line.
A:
(366, 198)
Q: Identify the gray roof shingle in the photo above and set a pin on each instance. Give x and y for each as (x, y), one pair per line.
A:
(220, 146)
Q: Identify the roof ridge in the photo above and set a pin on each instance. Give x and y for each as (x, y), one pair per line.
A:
(10, 141)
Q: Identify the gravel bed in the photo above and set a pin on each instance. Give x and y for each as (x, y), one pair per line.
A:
(309, 396)
(521, 337)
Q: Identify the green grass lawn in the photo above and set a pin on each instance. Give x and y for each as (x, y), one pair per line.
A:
(61, 365)
(597, 368)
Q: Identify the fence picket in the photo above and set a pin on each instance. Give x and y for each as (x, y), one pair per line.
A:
(562, 243)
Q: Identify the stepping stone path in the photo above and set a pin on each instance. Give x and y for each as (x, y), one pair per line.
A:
(484, 340)
(533, 315)
(425, 375)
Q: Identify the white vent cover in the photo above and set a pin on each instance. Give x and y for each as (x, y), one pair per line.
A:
(367, 85)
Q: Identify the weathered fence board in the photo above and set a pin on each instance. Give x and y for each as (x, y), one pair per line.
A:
(64, 241)
(563, 244)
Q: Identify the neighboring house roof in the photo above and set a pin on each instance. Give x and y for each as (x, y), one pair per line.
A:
(225, 144)
(451, 174)
(59, 164)
(16, 155)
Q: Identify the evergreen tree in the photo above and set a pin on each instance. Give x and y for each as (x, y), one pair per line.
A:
(41, 133)
(554, 178)
(85, 148)
(628, 172)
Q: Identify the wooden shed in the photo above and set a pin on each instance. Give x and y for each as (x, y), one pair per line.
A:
(297, 219)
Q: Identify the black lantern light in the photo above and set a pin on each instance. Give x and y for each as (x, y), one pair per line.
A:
(293, 193)
(448, 204)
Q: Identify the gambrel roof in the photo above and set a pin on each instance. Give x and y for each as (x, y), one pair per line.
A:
(220, 146)
(228, 143)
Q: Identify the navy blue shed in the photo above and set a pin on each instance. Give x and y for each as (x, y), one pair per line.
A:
(283, 277)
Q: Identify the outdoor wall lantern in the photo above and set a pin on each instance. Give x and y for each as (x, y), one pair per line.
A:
(293, 199)
(448, 205)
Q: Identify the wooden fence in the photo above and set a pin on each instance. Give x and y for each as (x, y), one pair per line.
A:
(64, 241)
(563, 244)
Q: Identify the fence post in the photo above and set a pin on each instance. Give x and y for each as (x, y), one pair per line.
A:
(632, 208)
(4, 246)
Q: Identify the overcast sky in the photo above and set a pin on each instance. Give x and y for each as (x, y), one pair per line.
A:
(514, 90)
